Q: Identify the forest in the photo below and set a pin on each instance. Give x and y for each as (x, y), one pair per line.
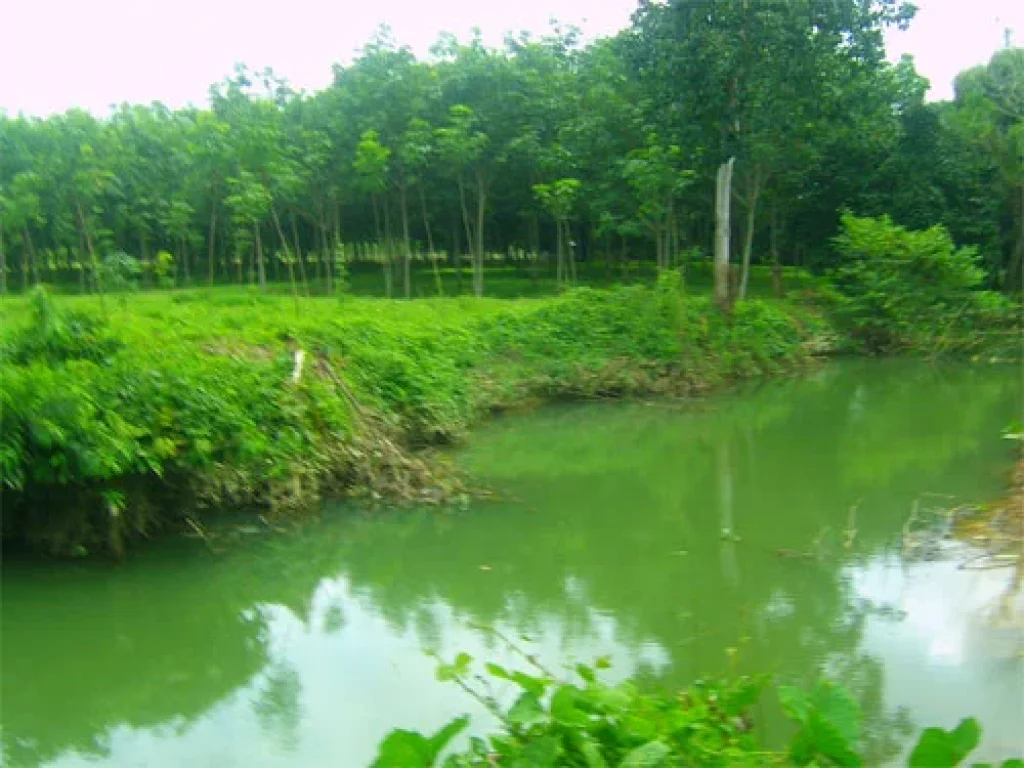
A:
(546, 151)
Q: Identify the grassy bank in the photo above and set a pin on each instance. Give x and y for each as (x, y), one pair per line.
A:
(122, 415)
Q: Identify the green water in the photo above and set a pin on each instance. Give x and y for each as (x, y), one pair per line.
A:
(305, 649)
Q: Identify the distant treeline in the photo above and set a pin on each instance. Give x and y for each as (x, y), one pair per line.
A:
(599, 151)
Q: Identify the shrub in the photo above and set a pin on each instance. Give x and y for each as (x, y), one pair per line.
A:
(898, 289)
(54, 334)
(119, 272)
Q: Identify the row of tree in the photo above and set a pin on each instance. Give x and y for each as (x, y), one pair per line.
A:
(541, 144)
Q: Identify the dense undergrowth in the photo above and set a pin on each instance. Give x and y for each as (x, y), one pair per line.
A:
(122, 414)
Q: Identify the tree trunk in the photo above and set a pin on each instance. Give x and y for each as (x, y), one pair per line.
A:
(406, 255)
(465, 215)
(261, 272)
(142, 255)
(328, 258)
(776, 262)
(389, 265)
(478, 262)
(426, 220)
(287, 253)
(212, 240)
(184, 259)
(32, 261)
(559, 254)
(456, 256)
(299, 258)
(438, 285)
(84, 230)
(723, 196)
(748, 234)
(570, 251)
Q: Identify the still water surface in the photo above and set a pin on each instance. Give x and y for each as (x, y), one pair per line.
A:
(648, 533)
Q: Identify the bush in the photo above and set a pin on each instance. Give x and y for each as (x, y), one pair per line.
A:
(119, 272)
(55, 335)
(901, 290)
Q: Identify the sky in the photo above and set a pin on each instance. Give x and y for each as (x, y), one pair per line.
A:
(57, 54)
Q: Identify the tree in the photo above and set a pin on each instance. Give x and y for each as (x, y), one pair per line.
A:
(249, 203)
(462, 147)
(371, 168)
(657, 177)
(558, 200)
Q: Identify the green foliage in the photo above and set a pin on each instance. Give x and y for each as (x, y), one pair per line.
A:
(195, 394)
(163, 269)
(54, 334)
(553, 723)
(119, 272)
(590, 723)
(617, 141)
(898, 289)
(829, 725)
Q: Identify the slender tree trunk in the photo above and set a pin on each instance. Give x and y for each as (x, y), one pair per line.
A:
(776, 263)
(88, 245)
(723, 196)
(301, 257)
(406, 255)
(559, 254)
(212, 240)
(32, 260)
(3, 265)
(439, 286)
(570, 251)
(465, 215)
(144, 257)
(478, 265)
(389, 251)
(457, 256)
(184, 260)
(328, 258)
(748, 234)
(287, 253)
(426, 220)
(259, 257)
(623, 254)
(298, 255)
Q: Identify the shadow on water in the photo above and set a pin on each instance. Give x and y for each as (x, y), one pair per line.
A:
(684, 542)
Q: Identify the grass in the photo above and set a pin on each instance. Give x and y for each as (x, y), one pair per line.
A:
(129, 413)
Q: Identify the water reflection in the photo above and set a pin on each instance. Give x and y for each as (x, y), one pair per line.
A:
(648, 533)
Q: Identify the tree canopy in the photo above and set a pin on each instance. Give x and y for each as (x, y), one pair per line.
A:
(597, 152)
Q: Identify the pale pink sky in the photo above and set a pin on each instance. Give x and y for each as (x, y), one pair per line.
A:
(92, 53)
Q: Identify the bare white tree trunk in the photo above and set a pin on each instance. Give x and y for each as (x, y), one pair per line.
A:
(723, 197)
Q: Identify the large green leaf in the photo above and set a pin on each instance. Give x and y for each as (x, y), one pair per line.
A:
(404, 749)
(526, 710)
(650, 755)
(795, 703)
(565, 709)
(744, 695)
(443, 737)
(938, 747)
(837, 706)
